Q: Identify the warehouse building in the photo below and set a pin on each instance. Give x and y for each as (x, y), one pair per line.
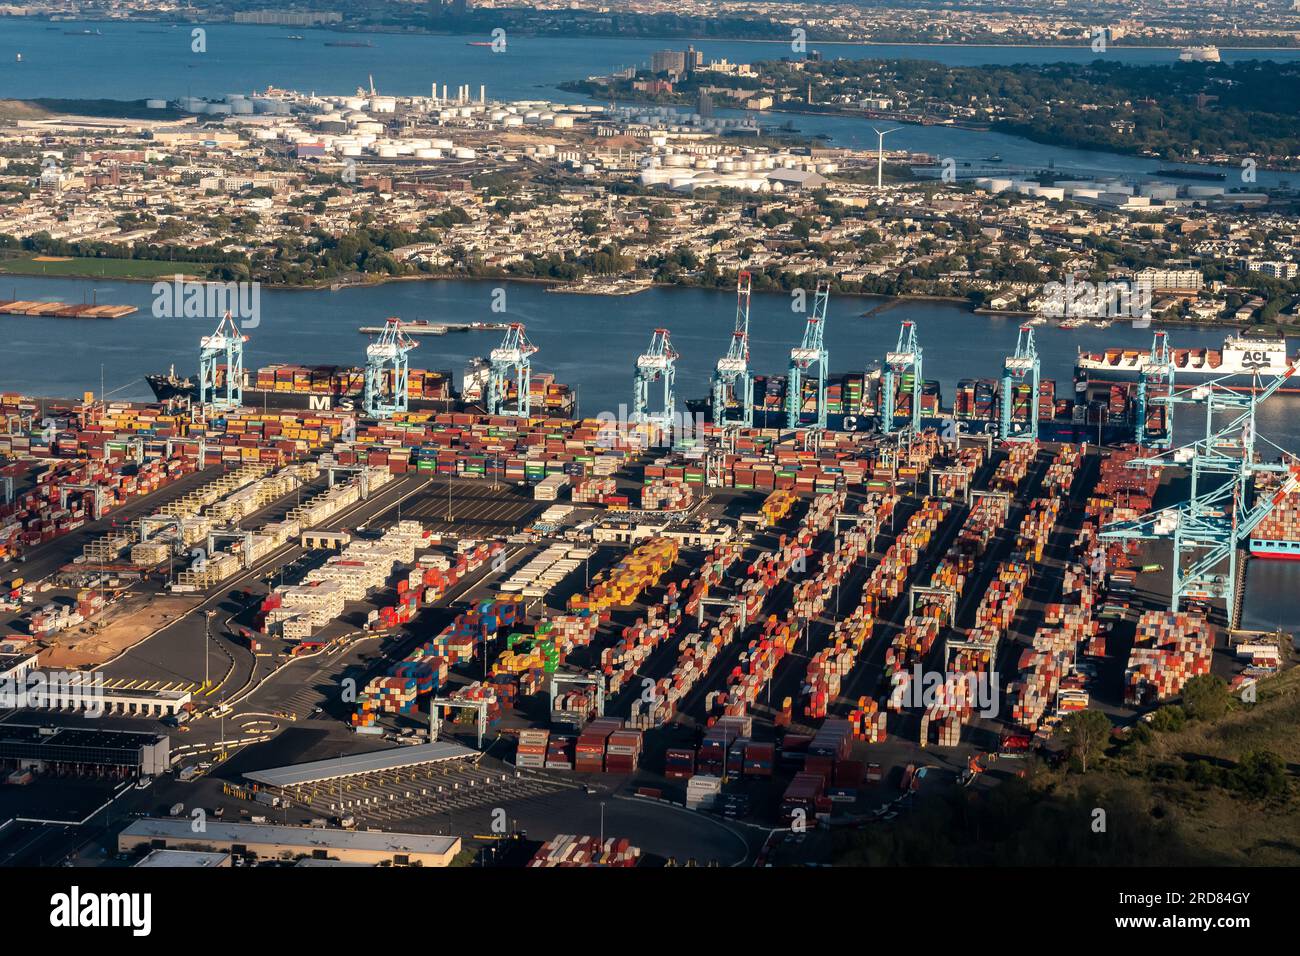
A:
(187, 859)
(83, 751)
(290, 843)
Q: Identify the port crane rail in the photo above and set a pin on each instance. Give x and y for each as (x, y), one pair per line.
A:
(656, 364)
(511, 361)
(731, 376)
(1217, 516)
(905, 357)
(1016, 369)
(226, 342)
(811, 351)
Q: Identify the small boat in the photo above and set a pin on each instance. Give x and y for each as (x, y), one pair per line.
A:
(478, 43)
(995, 158)
(18, 58)
(1102, 324)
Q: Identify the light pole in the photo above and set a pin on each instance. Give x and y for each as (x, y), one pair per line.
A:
(207, 639)
(880, 153)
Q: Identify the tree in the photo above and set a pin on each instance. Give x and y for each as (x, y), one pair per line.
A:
(1169, 719)
(1261, 773)
(1085, 732)
(1206, 697)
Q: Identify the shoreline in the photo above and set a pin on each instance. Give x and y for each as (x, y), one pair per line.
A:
(887, 303)
(997, 127)
(371, 29)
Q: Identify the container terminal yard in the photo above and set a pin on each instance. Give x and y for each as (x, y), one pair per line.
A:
(378, 632)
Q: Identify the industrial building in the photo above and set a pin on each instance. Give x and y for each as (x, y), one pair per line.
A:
(353, 765)
(289, 843)
(188, 859)
(14, 667)
(83, 751)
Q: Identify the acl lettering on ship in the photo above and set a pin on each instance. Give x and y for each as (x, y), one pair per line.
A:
(75, 909)
(1256, 361)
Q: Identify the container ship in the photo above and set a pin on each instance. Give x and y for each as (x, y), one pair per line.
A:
(1237, 363)
(849, 401)
(329, 387)
(853, 400)
(1277, 537)
(317, 387)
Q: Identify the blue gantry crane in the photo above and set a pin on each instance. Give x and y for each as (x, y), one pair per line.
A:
(811, 351)
(387, 372)
(656, 364)
(227, 342)
(904, 359)
(511, 362)
(1218, 515)
(1155, 388)
(732, 380)
(1020, 369)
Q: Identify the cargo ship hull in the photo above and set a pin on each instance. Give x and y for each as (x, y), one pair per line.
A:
(1244, 383)
(166, 388)
(1273, 550)
(1241, 365)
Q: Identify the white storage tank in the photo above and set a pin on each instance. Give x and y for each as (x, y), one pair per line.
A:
(155, 104)
(1159, 191)
(464, 152)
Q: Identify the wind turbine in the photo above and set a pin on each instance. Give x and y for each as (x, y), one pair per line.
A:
(880, 152)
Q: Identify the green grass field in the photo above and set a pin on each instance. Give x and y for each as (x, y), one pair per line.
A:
(104, 268)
